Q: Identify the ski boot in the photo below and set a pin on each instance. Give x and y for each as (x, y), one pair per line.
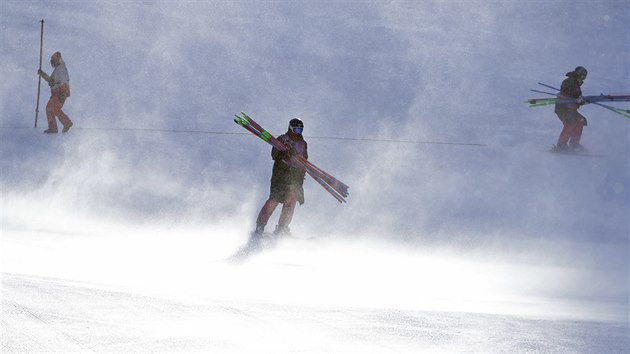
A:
(578, 148)
(67, 127)
(560, 148)
(256, 237)
(282, 230)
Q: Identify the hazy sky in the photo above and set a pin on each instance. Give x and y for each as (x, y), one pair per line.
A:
(441, 71)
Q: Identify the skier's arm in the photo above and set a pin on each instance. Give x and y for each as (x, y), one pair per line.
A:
(571, 89)
(44, 76)
(276, 154)
(282, 155)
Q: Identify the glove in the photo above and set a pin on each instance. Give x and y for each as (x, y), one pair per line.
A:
(580, 101)
(40, 72)
(287, 154)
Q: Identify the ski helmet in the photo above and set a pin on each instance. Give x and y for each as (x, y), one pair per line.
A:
(296, 122)
(296, 125)
(581, 72)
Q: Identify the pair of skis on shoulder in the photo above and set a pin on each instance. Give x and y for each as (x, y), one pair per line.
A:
(596, 100)
(336, 188)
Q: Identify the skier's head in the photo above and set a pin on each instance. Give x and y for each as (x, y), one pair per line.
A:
(55, 59)
(581, 72)
(296, 126)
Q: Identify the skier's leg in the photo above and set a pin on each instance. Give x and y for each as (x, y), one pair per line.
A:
(265, 212)
(63, 118)
(51, 109)
(565, 134)
(576, 132)
(287, 209)
(60, 95)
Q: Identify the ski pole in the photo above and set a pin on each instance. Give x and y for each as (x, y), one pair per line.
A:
(546, 93)
(39, 81)
(548, 86)
(621, 111)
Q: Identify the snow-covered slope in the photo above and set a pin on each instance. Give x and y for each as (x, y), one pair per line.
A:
(455, 205)
(133, 323)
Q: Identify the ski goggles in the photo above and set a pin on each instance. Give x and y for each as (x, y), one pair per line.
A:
(297, 130)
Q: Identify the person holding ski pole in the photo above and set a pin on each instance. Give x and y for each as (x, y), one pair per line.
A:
(573, 122)
(287, 181)
(59, 82)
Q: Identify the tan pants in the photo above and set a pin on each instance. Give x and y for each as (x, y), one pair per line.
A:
(53, 108)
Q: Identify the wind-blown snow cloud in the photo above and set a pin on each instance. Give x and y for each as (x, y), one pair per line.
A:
(430, 72)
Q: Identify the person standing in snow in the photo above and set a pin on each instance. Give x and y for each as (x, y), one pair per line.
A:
(287, 181)
(573, 122)
(59, 82)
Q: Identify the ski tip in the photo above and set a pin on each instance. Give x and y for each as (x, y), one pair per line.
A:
(241, 120)
(238, 120)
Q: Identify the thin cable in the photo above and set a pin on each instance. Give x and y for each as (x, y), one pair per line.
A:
(157, 130)
(210, 132)
(395, 141)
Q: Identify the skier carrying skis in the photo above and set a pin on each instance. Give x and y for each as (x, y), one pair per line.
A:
(287, 181)
(59, 82)
(573, 121)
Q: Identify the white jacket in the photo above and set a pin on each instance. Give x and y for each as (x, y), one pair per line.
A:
(60, 75)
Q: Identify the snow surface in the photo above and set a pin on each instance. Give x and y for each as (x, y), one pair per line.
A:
(115, 236)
